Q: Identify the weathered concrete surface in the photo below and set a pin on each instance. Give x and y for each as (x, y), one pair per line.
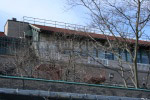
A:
(60, 95)
(16, 28)
(72, 88)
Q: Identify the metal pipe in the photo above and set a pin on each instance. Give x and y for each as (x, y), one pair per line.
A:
(62, 95)
(75, 83)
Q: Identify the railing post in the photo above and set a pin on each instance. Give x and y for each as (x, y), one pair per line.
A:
(55, 23)
(75, 27)
(65, 25)
(23, 18)
(23, 84)
(34, 20)
(84, 29)
(44, 22)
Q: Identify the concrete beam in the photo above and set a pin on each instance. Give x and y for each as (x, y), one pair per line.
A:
(62, 95)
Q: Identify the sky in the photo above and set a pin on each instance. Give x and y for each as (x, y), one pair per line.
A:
(56, 10)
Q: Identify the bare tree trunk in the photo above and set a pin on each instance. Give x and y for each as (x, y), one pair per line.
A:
(136, 45)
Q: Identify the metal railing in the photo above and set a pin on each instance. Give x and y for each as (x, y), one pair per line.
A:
(145, 67)
(98, 61)
(57, 24)
(23, 79)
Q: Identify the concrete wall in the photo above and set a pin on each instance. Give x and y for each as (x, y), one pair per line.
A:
(51, 48)
(16, 28)
(73, 88)
(51, 43)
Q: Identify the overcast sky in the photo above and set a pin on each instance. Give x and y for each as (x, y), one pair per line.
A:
(56, 10)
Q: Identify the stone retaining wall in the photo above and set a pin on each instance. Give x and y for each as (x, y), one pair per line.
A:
(73, 88)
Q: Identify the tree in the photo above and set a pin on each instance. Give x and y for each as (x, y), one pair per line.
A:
(24, 59)
(69, 50)
(125, 20)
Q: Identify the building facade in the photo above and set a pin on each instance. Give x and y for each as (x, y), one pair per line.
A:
(76, 55)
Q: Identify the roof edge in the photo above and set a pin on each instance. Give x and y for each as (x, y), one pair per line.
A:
(33, 26)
